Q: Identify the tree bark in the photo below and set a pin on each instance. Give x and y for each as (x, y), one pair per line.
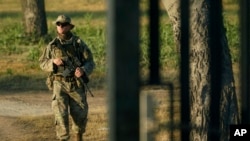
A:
(34, 17)
(200, 82)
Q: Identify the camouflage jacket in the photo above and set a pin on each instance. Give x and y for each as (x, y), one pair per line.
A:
(73, 47)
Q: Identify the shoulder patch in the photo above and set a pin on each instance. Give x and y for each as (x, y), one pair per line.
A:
(78, 40)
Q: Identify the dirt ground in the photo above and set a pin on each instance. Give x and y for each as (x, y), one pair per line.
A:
(29, 104)
(17, 104)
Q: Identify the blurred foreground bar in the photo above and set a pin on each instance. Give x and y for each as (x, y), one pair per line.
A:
(245, 65)
(123, 69)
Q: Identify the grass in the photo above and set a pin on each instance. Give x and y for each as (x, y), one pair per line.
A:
(19, 55)
(14, 45)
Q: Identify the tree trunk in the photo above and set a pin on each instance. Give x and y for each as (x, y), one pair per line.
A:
(200, 74)
(34, 17)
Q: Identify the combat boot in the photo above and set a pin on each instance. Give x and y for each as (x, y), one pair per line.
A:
(78, 137)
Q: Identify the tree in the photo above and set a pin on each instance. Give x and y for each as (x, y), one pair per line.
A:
(34, 17)
(200, 74)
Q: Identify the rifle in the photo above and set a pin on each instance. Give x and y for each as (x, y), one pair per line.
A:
(71, 66)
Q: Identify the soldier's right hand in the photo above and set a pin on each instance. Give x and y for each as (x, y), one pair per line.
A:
(58, 61)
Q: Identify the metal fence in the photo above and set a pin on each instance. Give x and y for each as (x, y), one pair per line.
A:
(123, 63)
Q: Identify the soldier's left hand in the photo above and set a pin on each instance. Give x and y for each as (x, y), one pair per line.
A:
(79, 72)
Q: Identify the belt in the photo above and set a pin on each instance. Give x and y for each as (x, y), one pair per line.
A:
(66, 79)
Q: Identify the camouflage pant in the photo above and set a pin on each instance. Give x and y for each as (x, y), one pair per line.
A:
(69, 100)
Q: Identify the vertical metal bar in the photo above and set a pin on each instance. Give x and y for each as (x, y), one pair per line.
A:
(185, 106)
(154, 42)
(245, 65)
(123, 66)
(215, 44)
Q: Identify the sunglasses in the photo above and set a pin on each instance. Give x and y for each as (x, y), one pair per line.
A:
(62, 24)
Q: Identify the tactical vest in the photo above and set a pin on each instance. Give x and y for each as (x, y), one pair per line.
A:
(65, 50)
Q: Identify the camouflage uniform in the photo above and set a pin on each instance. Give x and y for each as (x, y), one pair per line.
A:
(69, 98)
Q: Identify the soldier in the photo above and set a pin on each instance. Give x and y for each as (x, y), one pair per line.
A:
(69, 95)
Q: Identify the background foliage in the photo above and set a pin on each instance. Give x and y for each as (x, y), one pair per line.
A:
(91, 27)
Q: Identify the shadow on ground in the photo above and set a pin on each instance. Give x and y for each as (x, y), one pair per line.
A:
(37, 83)
(19, 83)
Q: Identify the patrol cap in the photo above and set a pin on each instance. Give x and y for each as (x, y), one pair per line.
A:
(63, 19)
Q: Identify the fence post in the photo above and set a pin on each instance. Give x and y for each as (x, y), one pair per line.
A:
(184, 72)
